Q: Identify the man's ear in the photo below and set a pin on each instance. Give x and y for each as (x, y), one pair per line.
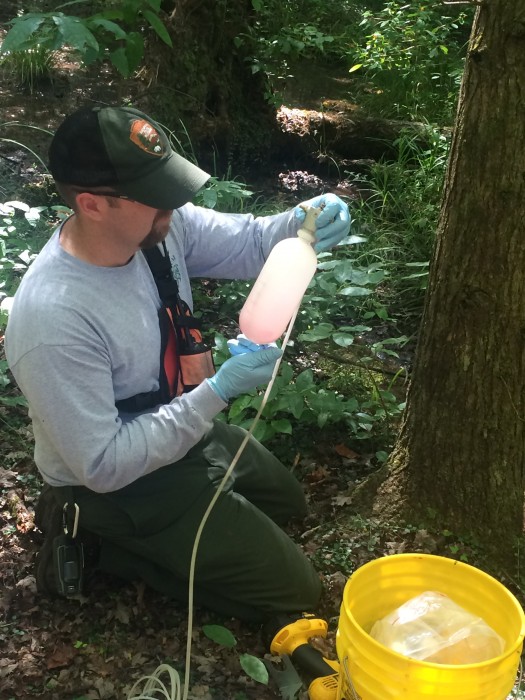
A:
(91, 205)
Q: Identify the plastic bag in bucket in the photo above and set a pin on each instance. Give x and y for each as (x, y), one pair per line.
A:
(432, 627)
(371, 671)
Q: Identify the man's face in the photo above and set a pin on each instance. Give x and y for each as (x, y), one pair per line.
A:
(159, 229)
(137, 223)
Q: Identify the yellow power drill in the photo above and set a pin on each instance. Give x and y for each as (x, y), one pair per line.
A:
(293, 639)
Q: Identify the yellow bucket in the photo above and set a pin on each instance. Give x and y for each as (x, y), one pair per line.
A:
(371, 671)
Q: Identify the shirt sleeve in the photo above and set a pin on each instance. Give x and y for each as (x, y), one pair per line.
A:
(230, 246)
(71, 399)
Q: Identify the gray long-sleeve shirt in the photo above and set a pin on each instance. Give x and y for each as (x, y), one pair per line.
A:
(81, 337)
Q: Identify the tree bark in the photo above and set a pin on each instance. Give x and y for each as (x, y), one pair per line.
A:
(460, 454)
(204, 87)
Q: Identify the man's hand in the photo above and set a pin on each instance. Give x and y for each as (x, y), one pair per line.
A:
(242, 345)
(332, 224)
(250, 366)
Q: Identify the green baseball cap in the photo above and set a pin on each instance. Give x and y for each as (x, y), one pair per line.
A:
(122, 148)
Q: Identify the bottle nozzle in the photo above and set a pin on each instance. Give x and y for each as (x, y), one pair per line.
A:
(308, 227)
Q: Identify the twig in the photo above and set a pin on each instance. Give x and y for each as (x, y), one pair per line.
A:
(359, 363)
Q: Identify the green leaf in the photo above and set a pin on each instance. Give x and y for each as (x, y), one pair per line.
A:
(157, 24)
(219, 634)
(282, 425)
(75, 33)
(209, 198)
(322, 418)
(305, 380)
(286, 372)
(351, 240)
(134, 50)
(120, 61)
(17, 38)
(239, 405)
(263, 430)
(254, 667)
(357, 66)
(14, 204)
(295, 404)
(355, 292)
(343, 339)
(111, 27)
(320, 332)
(344, 271)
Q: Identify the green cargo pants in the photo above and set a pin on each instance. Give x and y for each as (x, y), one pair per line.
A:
(246, 566)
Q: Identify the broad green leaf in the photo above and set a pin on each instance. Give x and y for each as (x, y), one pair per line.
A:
(75, 33)
(134, 50)
(343, 339)
(375, 276)
(305, 380)
(344, 271)
(295, 404)
(355, 329)
(263, 430)
(111, 27)
(209, 198)
(254, 667)
(158, 26)
(239, 405)
(351, 240)
(33, 215)
(23, 28)
(14, 204)
(286, 372)
(327, 265)
(322, 418)
(320, 332)
(355, 292)
(13, 400)
(120, 61)
(325, 283)
(282, 425)
(219, 634)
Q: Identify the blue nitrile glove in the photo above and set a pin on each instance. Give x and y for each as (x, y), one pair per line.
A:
(242, 373)
(333, 223)
(242, 345)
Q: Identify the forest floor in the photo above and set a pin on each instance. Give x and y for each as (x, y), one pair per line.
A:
(96, 646)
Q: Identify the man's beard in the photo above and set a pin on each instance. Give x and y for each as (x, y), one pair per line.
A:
(159, 229)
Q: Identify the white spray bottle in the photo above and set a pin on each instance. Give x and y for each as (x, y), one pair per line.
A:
(280, 286)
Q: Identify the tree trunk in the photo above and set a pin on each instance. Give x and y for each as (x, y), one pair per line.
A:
(204, 89)
(460, 454)
(345, 132)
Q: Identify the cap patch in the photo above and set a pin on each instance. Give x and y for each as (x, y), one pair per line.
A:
(146, 137)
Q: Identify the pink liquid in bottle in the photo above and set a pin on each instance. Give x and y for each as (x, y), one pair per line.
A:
(281, 284)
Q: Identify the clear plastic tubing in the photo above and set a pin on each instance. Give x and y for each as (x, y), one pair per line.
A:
(281, 284)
